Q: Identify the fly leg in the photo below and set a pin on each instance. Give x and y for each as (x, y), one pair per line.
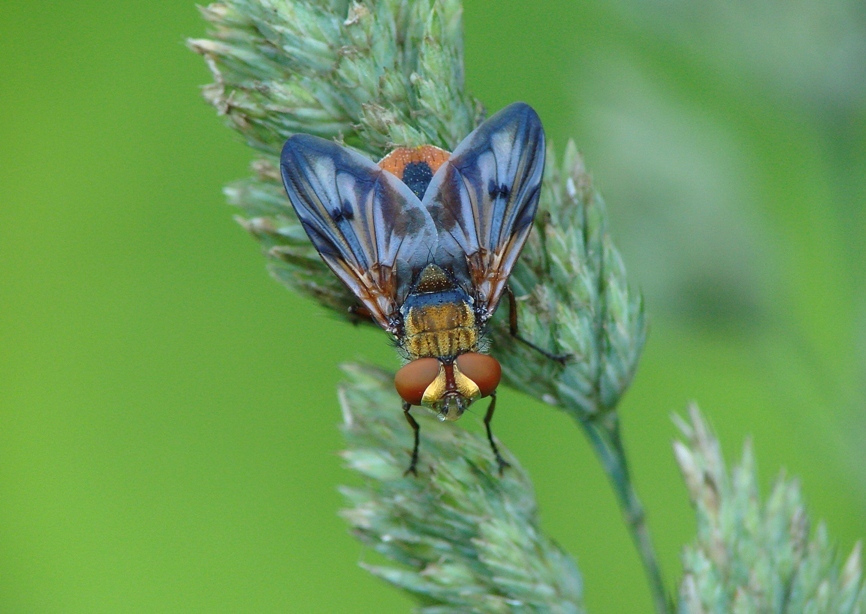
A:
(359, 314)
(512, 328)
(417, 430)
(487, 419)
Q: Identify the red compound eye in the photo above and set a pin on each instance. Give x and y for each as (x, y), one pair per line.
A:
(413, 379)
(482, 369)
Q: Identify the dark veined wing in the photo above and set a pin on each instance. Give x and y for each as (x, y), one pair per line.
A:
(369, 228)
(484, 198)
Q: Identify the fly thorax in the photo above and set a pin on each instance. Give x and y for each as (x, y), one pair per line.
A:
(438, 317)
(433, 279)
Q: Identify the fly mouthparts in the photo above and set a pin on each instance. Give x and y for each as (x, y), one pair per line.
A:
(452, 407)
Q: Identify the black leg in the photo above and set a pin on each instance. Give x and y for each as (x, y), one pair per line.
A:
(487, 419)
(512, 328)
(358, 314)
(417, 430)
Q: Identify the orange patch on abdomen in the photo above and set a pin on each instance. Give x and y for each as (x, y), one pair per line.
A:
(397, 161)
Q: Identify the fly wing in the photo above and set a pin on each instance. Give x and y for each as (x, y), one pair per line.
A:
(484, 198)
(369, 228)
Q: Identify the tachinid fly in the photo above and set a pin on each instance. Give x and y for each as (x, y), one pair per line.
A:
(426, 241)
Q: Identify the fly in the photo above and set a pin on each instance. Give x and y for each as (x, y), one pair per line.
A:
(426, 241)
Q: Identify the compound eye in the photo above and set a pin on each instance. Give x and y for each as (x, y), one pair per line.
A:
(413, 379)
(482, 369)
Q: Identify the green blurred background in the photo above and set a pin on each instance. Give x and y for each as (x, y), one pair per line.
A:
(168, 437)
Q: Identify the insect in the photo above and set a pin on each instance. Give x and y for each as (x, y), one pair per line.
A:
(426, 241)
